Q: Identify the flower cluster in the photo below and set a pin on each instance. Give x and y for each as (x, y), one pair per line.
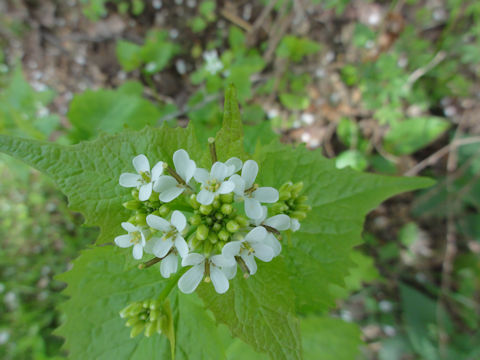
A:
(211, 221)
(149, 316)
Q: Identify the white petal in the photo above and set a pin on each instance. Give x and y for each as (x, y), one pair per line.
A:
(162, 247)
(205, 197)
(249, 173)
(201, 175)
(158, 223)
(235, 162)
(231, 249)
(157, 171)
(280, 222)
(266, 195)
(184, 166)
(273, 242)
(230, 271)
(141, 164)
(220, 260)
(169, 265)
(129, 180)
(193, 259)
(163, 183)
(226, 187)
(171, 194)
(261, 218)
(178, 220)
(148, 248)
(218, 171)
(181, 246)
(145, 192)
(123, 241)
(190, 280)
(129, 227)
(253, 209)
(257, 234)
(250, 262)
(263, 252)
(239, 184)
(219, 280)
(137, 251)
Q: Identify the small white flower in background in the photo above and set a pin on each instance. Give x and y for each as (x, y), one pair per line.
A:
(167, 186)
(4, 336)
(144, 179)
(253, 245)
(253, 195)
(219, 268)
(279, 222)
(172, 234)
(214, 183)
(135, 237)
(213, 63)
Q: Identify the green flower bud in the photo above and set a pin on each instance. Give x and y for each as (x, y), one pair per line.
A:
(216, 227)
(150, 329)
(212, 237)
(299, 215)
(208, 247)
(209, 220)
(154, 196)
(202, 232)
(205, 209)
(141, 219)
(132, 205)
(133, 321)
(302, 199)
(232, 226)
(218, 216)
(131, 310)
(279, 207)
(164, 210)
(296, 188)
(223, 235)
(226, 198)
(137, 329)
(285, 187)
(195, 220)
(159, 324)
(284, 195)
(226, 209)
(216, 204)
(193, 201)
(242, 220)
(135, 193)
(304, 207)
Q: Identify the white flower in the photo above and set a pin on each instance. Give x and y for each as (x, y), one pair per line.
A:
(253, 245)
(144, 179)
(294, 224)
(213, 63)
(218, 268)
(214, 183)
(172, 237)
(279, 222)
(167, 186)
(135, 237)
(253, 195)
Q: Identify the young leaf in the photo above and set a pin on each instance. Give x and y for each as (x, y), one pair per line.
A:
(88, 172)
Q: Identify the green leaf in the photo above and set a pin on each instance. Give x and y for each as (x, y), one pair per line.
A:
(294, 101)
(110, 111)
(88, 172)
(318, 255)
(410, 135)
(229, 140)
(128, 55)
(330, 339)
(102, 282)
(295, 48)
(351, 158)
(260, 310)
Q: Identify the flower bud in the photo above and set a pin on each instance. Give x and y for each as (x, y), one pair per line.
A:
(132, 205)
(135, 194)
(208, 247)
(212, 237)
(209, 221)
(164, 210)
(299, 215)
(133, 321)
(218, 216)
(284, 195)
(216, 204)
(216, 227)
(195, 220)
(153, 196)
(141, 219)
(205, 209)
(296, 188)
(302, 199)
(241, 220)
(137, 329)
(223, 235)
(193, 201)
(150, 329)
(226, 198)
(202, 232)
(232, 226)
(226, 209)
(154, 314)
(285, 187)
(131, 310)
(304, 207)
